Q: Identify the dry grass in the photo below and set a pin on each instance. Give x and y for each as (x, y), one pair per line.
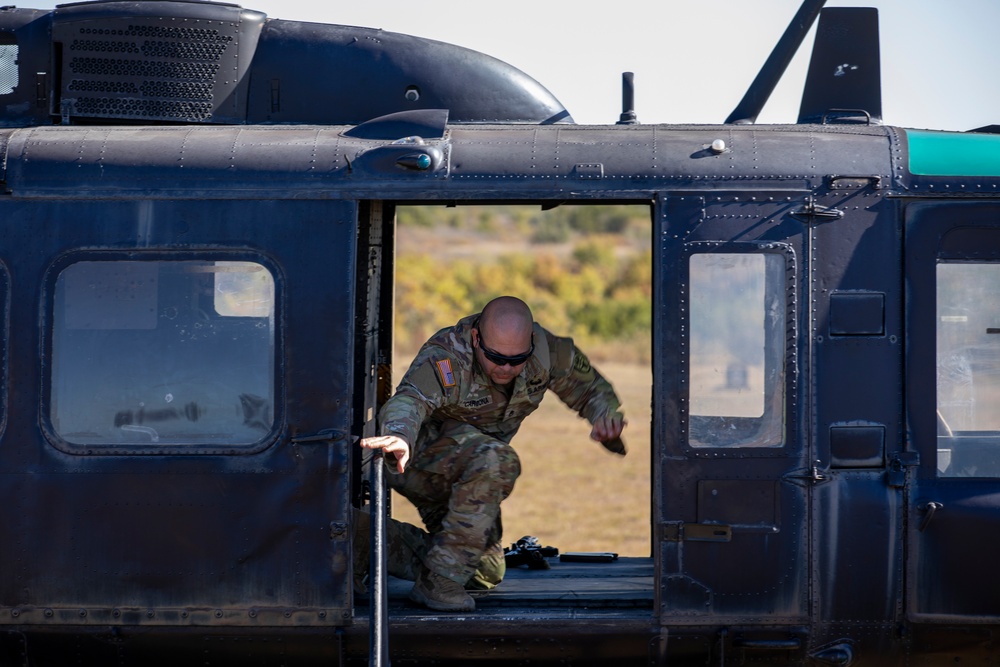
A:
(572, 493)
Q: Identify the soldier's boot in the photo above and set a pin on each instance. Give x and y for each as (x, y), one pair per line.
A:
(440, 593)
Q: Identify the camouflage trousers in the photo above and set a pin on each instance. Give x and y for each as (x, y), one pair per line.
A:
(457, 484)
(407, 547)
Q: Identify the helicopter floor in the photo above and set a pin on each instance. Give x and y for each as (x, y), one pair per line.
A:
(623, 583)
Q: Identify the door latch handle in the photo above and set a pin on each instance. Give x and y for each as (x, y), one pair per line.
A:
(929, 509)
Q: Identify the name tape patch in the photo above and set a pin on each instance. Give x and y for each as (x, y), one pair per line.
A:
(477, 402)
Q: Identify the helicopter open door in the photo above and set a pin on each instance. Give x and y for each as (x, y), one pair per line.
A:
(953, 395)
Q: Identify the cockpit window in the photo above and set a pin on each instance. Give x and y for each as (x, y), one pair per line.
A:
(968, 369)
(736, 355)
(8, 63)
(160, 353)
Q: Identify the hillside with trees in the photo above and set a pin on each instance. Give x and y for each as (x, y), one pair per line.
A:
(585, 271)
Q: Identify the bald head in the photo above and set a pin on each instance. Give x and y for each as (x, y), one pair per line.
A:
(507, 317)
(505, 326)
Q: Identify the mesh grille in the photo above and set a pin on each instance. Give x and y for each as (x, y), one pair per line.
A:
(103, 45)
(182, 90)
(124, 107)
(119, 67)
(198, 34)
(123, 87)
(204, 52)
(124, 69)
(8, 65)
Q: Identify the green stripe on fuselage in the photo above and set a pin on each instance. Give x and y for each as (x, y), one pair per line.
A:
(953, 153)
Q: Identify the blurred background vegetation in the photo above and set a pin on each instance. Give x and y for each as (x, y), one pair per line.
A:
(585, 271)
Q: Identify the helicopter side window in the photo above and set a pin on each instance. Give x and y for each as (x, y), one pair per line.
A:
(968, 369)
(8, 63)
(736, 353)
(154, 353)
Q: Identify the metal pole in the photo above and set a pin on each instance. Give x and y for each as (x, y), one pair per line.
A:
(769, 75)
(378, 622)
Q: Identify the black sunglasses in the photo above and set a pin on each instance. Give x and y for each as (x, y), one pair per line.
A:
(501, 359)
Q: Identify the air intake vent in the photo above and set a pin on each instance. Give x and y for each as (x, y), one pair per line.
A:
(177, 65)
(147, 71)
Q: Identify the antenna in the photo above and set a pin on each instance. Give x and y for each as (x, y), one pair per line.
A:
(628, 101)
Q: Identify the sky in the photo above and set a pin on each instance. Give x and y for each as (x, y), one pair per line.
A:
(694, 59)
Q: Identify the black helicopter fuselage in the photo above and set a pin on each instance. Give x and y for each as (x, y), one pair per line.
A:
(197, 325)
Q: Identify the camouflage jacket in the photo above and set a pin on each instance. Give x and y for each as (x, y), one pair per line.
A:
(445, 382)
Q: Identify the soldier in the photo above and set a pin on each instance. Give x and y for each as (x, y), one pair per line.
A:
(452, 418)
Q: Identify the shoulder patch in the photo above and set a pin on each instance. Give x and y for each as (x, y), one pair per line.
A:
(562, 356)
(581, 364)
(444, 370)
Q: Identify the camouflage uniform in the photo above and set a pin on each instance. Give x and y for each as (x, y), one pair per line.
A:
(459, 425)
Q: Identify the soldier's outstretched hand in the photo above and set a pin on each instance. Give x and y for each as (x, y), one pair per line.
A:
(608, 427)
(390, 444)
(607, 430)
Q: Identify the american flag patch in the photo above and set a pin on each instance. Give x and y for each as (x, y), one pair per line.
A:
(444, 369)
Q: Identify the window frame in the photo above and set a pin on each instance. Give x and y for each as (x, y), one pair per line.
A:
(48, 319)
(948, 430)
(787, 391)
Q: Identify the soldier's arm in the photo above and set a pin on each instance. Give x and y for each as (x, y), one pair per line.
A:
(585, 390)
(419, 394)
